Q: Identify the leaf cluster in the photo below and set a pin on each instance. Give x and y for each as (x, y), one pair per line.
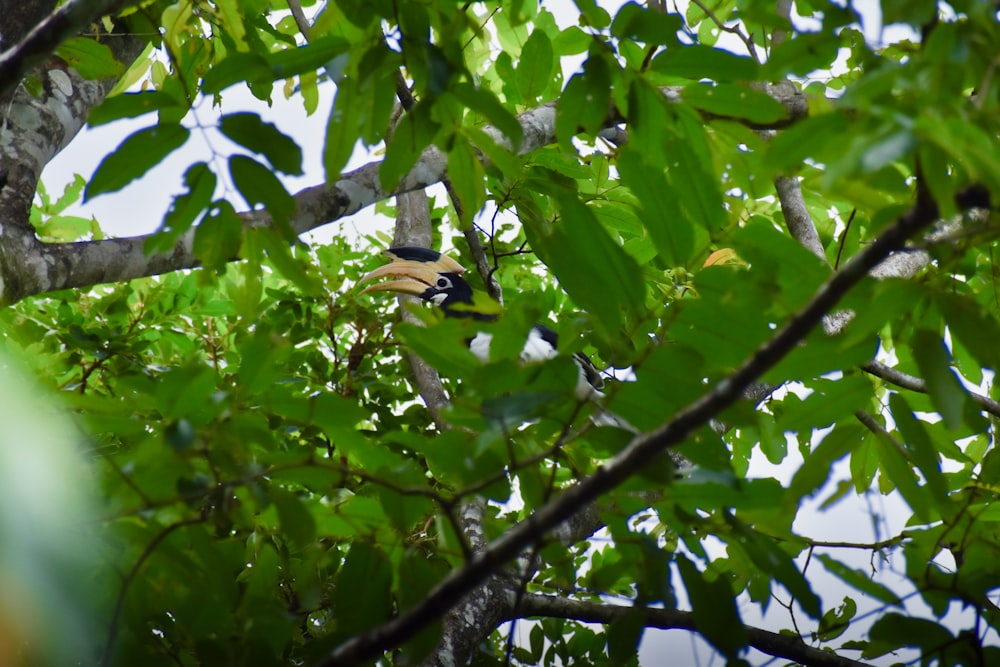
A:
(270, 485)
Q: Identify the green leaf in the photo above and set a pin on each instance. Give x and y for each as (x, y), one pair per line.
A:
(235, 68)
(859, 580)
(486, 103)
(624, 635)
(442, 346)
(814, 472)
(829, 402)
(971, 148)
(90, 58)
(571, 41)
(887, 149)
(535, 66)
(593, 15)
(836, 621)
(734, 101)
(578, 243)
(518, 407)
(822, 353)
(668, 379)
(943, 387)
(802, 54)
(185, 209)
(362, 595)
(296, 521)
(231, 18)
(917, 13)
(585, 102)
(467, 178)
(248, 130)
(772, 560)
(417, 575)
(342, 129)
(180, 435)
(259, 185)
(138, 153)
(703, 62)
(692, 174)
(895, 465)
(262, 578)
(864, 464)
(218, 237)
(186, 393)
(282, 64)
(280, 255)
(65, 228)
(809, 138)
(920, 446)
(707, 324)
(414, 133)
(500, 158)
(974, 327)
(647, 25)
(668, 228)
(714, 609)
(895, 630)
(131, 105)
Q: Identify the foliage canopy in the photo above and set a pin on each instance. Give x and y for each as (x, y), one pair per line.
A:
(667, 190)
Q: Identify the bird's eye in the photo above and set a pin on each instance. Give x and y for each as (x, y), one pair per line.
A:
(443, 283)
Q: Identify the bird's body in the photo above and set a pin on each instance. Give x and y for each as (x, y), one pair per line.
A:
(541, 344)
(437, 279)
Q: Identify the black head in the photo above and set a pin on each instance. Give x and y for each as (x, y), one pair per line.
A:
(429, 275)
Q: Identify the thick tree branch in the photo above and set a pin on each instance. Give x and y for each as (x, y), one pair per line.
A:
(466, 625)
(771, 643)
(644, 447)
(39, 267)
(18, 19)
(42, 40)
(413, 228)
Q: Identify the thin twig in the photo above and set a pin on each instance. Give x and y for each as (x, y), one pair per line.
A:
(295, 6)
(843, 238)
(733, 30)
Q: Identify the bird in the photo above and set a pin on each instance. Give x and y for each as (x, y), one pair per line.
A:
(437, 278)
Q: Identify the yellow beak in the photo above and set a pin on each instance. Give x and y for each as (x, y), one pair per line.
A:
(415, 277)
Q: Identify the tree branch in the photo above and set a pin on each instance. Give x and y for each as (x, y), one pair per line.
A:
(32, 268)
(772, 643)
(466, 625)
(301, 22)
(413, 227)
(913, 383)
(793, 207)
(644, 447)
(42, 40)
(468, 230)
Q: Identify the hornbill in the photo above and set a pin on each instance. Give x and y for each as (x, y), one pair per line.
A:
(437, 278)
